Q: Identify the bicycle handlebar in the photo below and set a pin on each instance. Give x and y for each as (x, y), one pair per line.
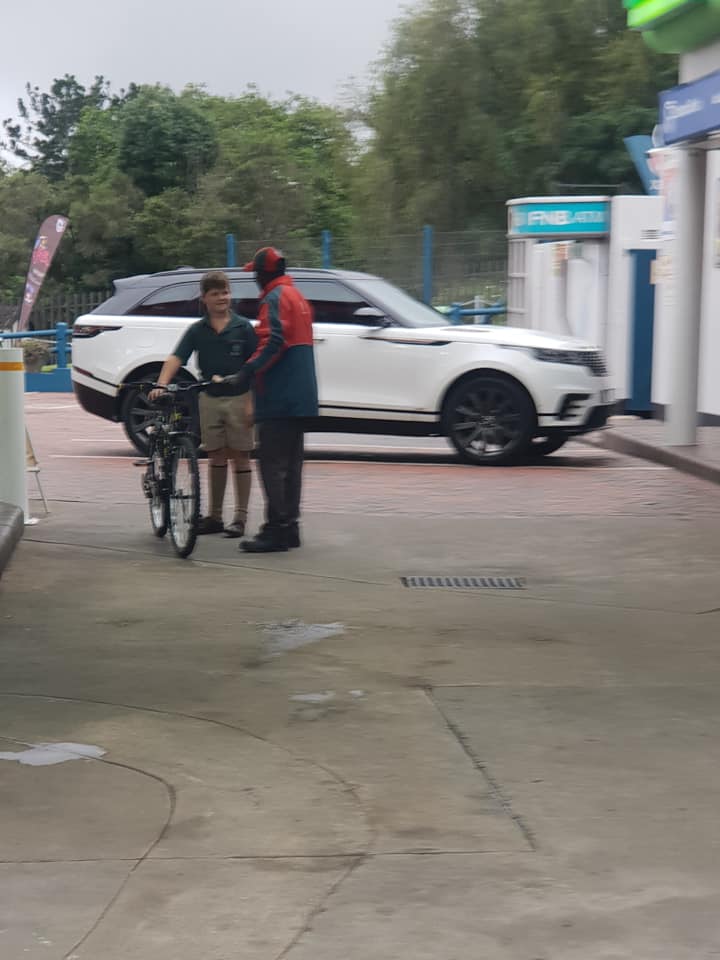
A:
(171, 387)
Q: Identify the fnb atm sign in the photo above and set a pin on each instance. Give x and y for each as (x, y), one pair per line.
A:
(564, 218)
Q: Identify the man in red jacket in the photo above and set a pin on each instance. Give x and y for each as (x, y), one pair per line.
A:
(283, 368)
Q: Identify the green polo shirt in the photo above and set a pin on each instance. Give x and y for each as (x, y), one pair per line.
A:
(218, 354)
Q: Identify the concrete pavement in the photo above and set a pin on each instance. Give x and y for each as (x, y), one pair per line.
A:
(647, 439)
(305, 759)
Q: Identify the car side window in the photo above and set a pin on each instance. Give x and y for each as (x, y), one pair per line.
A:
(332, 302)
(245, 298)
(176, 300)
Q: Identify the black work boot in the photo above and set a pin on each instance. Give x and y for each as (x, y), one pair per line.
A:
(269, 540)
(293, 535)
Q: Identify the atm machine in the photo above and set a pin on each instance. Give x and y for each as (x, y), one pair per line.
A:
(584, 267)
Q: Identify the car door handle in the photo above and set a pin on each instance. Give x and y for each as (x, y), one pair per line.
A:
(319, 339)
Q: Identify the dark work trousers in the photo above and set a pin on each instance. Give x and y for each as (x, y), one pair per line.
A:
(281, 451)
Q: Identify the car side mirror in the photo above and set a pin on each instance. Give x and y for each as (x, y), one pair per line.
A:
(372, 317)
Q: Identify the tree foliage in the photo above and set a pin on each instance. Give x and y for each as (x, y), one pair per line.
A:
(47, 121)
(472, 102)
(476, 101)
(165, 141)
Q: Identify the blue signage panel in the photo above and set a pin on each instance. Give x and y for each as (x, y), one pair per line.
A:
(691, 110)
(638, 148)
(559, 218)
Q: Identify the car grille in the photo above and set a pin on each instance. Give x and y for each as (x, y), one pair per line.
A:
(595, 361)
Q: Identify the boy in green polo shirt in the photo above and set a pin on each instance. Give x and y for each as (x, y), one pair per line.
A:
(223, 341)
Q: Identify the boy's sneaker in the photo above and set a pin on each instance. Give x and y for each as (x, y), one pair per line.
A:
(235, 530)
(293, 536)
(209, 525)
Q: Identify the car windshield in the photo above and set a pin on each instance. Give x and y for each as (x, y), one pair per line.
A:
(399, 305)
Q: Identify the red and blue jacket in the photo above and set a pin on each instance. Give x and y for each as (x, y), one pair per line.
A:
(284, 362)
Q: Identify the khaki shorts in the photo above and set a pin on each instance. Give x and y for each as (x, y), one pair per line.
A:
(222, 423)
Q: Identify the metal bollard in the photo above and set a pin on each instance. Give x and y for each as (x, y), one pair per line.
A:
(13, 477)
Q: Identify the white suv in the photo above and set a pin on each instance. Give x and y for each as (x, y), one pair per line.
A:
(386, 364)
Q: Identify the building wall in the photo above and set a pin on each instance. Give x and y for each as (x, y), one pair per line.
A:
(635, 226)
(668, 295)
(709, 375)
(664, 319)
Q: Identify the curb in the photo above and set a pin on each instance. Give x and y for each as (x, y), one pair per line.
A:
(684, 459)
(11, 530)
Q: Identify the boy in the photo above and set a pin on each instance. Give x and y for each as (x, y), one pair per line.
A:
(223, 342)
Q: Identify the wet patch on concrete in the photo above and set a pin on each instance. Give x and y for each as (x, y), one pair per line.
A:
(48, 754)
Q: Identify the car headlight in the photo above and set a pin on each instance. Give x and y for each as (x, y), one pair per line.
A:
(590, 358)
(549, 355)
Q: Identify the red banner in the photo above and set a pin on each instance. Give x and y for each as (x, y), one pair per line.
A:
(46, 243)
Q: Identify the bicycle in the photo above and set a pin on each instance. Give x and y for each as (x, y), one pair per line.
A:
(171, 481)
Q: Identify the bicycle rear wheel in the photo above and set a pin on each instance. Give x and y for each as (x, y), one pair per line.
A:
(155, 487)
(184, 496)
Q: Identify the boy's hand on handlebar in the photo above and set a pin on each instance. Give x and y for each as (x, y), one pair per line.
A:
(156, 393)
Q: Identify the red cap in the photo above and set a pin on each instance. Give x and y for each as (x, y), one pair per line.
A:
(266, 260)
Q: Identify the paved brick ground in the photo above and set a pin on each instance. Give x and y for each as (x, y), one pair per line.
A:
(89, 460)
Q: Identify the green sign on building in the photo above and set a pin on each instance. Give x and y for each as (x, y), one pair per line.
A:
(647, 13)
(675, 26)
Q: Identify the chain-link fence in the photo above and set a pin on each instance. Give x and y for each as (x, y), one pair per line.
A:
(458, 267)
(470, 265)
(462, 266)
(300, 251)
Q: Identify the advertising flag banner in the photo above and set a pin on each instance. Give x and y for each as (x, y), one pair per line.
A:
(46, 244)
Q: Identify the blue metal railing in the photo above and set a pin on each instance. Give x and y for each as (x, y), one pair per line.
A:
(327, 239)
(457, 312)
(230, 250)
(61, 335)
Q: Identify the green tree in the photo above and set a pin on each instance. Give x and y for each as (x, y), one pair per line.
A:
(477, 101)
(41, 136)
(321, 143)
(96, 141)
(283, 175)
(431, 130)
(165, 140)
(161, 231)
(152, 179)
(101, 212)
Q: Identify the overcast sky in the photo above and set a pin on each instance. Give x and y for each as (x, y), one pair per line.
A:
(312, 47)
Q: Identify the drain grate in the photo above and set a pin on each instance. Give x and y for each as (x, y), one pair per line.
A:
(465, 583)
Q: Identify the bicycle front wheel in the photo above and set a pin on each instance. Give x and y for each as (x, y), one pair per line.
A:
(184, 496)
(155, 487)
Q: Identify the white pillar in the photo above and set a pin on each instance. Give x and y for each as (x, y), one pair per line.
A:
(13, 476)
(681, 428)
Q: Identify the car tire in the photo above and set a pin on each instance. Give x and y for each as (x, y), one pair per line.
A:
(490, 420)
(544, 446)
(135, 408)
